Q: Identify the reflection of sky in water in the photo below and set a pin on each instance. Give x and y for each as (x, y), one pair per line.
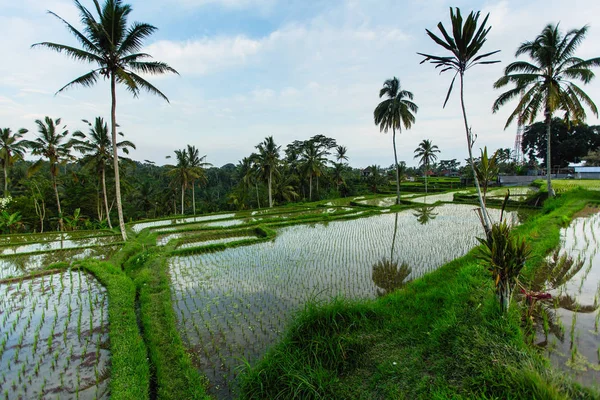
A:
(214, 241)
(58, 245)
(68, 313)
(246, 294)
(580, 240)
(152, 224)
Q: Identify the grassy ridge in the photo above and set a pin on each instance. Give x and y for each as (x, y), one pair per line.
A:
(174, 376)
(441, 337)
(130, 375)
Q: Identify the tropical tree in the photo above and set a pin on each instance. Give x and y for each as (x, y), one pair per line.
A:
(547, 83)
(51, 144)
(464, 45)
(487, 169)
(395, 111)
(340, 154)
(12, 148)
(313, 161)
(267, 161)
(426, 155)
(97, 149)
(182, 172)
(197, 165)
(114, 47)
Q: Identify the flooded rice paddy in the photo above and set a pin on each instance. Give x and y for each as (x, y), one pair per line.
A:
(174, 221)
(233, 304)
(60, 244)
(570, 328)
(54, 338)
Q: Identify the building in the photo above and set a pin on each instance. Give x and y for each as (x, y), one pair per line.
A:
(587, 172)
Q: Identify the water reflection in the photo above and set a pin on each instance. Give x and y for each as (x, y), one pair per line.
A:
(425, 214)
(387, 274)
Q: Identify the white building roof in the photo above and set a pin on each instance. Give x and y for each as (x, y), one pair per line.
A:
(587, 169)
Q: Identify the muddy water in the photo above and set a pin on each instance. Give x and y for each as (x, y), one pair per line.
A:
(54, 338)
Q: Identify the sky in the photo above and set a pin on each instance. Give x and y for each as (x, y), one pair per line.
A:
(291, 69)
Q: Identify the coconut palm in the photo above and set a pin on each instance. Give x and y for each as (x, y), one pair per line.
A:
(313, 159)
(182, 172)
(395, 111)
(114, 47)
(51, 144)
(547, 83)
(12, 148)
(97, 148)
(197, 164)
(340, 154)
(426, 155)
(464, 45)
(267, 161)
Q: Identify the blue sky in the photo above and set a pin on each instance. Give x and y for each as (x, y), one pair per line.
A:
(291, 69)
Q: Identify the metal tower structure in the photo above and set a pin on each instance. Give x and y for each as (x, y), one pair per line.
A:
(518, 151)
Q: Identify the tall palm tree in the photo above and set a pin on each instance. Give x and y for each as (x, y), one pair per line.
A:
(395, 111)
(197, 164)
(12, 148)
(426, 155)
(114, 47)
(464, 45)
(340, 154)
(97, 148)
(546, 83)
(267, 161)
(51, 144)
(182, 172)
(313, 160)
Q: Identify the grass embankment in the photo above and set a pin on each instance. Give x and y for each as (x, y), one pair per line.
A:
(443, 336)
(563, 185)
(174, 376)
(129, 377)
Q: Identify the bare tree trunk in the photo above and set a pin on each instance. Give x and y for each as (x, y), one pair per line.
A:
(270, 196)
(182, 197)
(486, 219)
(193, 198)
(257, 197)
(60, 218)
(105, 198)
(113, 117)
(548, 115)
(5, 179)
(397, 168)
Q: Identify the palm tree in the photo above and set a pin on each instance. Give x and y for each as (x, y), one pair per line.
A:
(546, 83)
(182, 172)
(426, 155)
(98, 147)
(51, 146)
(313, 160)
(341, 153)
(394, 112)
(267, 161)
(197, 165)
(12, 148)
(464, 46)
(115, 48)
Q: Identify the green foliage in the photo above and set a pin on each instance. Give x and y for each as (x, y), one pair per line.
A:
(10, 223)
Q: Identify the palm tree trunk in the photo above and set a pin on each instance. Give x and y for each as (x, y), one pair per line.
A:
(548, 153)
(193, 198)
(5, 178)
(270, 197)
(60, 218)
(394, 238)
(310, 187)
(182, 197)
(113, 118)
(105, 197)
(485, 217)
(397, 168)
(426, 170)
(317, 187)
(257, 197)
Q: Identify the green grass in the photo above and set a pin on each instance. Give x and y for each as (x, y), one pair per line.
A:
(174, 376)
(563, 185)
(129, 377)
(441, 337)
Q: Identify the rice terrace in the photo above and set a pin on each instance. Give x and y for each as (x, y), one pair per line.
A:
(295, 273)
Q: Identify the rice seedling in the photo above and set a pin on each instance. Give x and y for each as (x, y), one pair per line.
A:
(235, 303)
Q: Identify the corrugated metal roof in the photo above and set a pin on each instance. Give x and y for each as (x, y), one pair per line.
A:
(587, 169)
